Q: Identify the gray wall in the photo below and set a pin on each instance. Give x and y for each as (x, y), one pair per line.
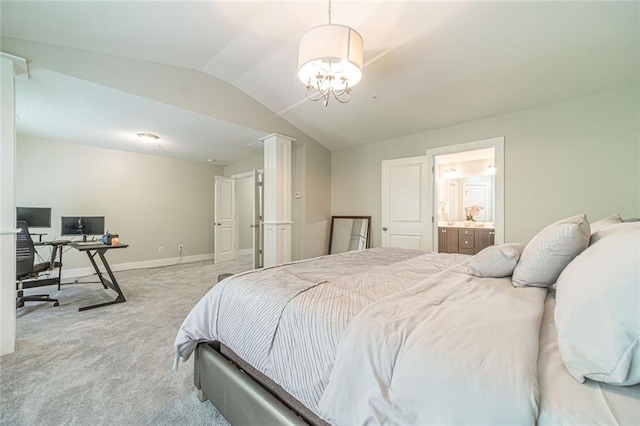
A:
(150, 201)
(245, 165)
(578, 156)
(316, 197)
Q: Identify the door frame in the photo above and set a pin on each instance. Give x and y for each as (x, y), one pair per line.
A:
(258, 202)
(236, 177)
(497, 143)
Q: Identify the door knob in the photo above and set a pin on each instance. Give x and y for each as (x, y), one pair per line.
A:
(218, 224)
(384, 229)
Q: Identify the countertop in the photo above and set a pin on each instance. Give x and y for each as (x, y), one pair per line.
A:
(463, 224)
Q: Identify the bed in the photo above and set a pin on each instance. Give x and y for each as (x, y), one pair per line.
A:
(394, 336)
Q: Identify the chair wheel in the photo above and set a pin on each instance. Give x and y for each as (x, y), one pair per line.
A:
(56, 304)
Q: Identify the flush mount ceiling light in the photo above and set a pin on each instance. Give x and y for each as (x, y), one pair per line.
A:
(148, 137)
(330, 59)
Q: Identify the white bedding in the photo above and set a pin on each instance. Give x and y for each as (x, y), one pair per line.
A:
(391, 336)
(565, 401)
(454, 349)
(291, 331)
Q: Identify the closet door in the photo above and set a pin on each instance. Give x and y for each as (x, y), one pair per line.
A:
(406, 203)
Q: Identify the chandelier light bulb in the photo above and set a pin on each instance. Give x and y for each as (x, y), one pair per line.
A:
(330, 61)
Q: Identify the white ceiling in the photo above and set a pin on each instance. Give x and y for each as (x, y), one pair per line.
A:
(430, 64)
(58, 107)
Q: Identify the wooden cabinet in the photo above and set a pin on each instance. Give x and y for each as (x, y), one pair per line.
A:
(464, 240)
(484, 238)
(447, 240)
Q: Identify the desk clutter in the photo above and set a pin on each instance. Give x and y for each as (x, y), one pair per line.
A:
(113, 239)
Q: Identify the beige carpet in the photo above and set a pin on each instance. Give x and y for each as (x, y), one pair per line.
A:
(110, 365)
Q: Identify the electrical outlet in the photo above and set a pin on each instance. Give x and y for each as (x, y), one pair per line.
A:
(180, 248)
(160, 249)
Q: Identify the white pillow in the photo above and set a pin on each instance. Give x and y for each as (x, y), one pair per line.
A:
(547, 254)
(598, 311)
(496, 261)
(609, 220)
(608, 230)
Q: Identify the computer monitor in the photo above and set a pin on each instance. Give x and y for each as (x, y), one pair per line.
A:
(36, 217)
(82, 225)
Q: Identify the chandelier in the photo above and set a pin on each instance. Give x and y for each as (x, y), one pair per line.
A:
(330, 59)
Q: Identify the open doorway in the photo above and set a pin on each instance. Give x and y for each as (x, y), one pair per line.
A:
(465, 187)
(468, 196)
(248, 200)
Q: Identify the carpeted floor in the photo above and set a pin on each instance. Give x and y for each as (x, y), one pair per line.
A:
(110, 365)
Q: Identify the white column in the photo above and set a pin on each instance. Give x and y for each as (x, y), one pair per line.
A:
(277, 199)
(7, 207)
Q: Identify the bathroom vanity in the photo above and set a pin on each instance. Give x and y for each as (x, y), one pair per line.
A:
(464, 239)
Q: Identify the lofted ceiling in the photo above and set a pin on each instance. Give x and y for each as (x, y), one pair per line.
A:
(427, 65)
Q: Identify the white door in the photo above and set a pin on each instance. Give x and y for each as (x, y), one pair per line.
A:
(407, 203)
(257, 219)
(224, 212)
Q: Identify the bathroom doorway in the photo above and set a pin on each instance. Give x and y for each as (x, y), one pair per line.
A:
(468, 196)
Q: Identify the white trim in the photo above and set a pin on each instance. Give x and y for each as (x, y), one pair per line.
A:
(242, 175)
(244, 252)
(21, 64)
(156, 263)
(7, 205)
(497, 144)
(264, 138)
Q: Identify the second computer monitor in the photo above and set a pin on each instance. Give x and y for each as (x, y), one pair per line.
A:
(82, 225)
(36, 217)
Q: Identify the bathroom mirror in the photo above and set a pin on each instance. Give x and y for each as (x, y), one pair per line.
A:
(458, 194)
(349, 233)
(466, 187)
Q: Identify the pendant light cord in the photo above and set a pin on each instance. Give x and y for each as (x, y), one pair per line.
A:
(329, 11)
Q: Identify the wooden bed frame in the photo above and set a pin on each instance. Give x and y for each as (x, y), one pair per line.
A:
(243, 395)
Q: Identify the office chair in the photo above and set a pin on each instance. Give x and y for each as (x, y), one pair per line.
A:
(26, 269)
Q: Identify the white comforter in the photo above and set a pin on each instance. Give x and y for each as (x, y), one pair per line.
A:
(384, 336)
(287, 321)
(453, 349)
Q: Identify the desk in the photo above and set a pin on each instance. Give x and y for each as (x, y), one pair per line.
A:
(100, 249)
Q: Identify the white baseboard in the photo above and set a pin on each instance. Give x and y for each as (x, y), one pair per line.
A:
(244, 252)
(82, 272)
